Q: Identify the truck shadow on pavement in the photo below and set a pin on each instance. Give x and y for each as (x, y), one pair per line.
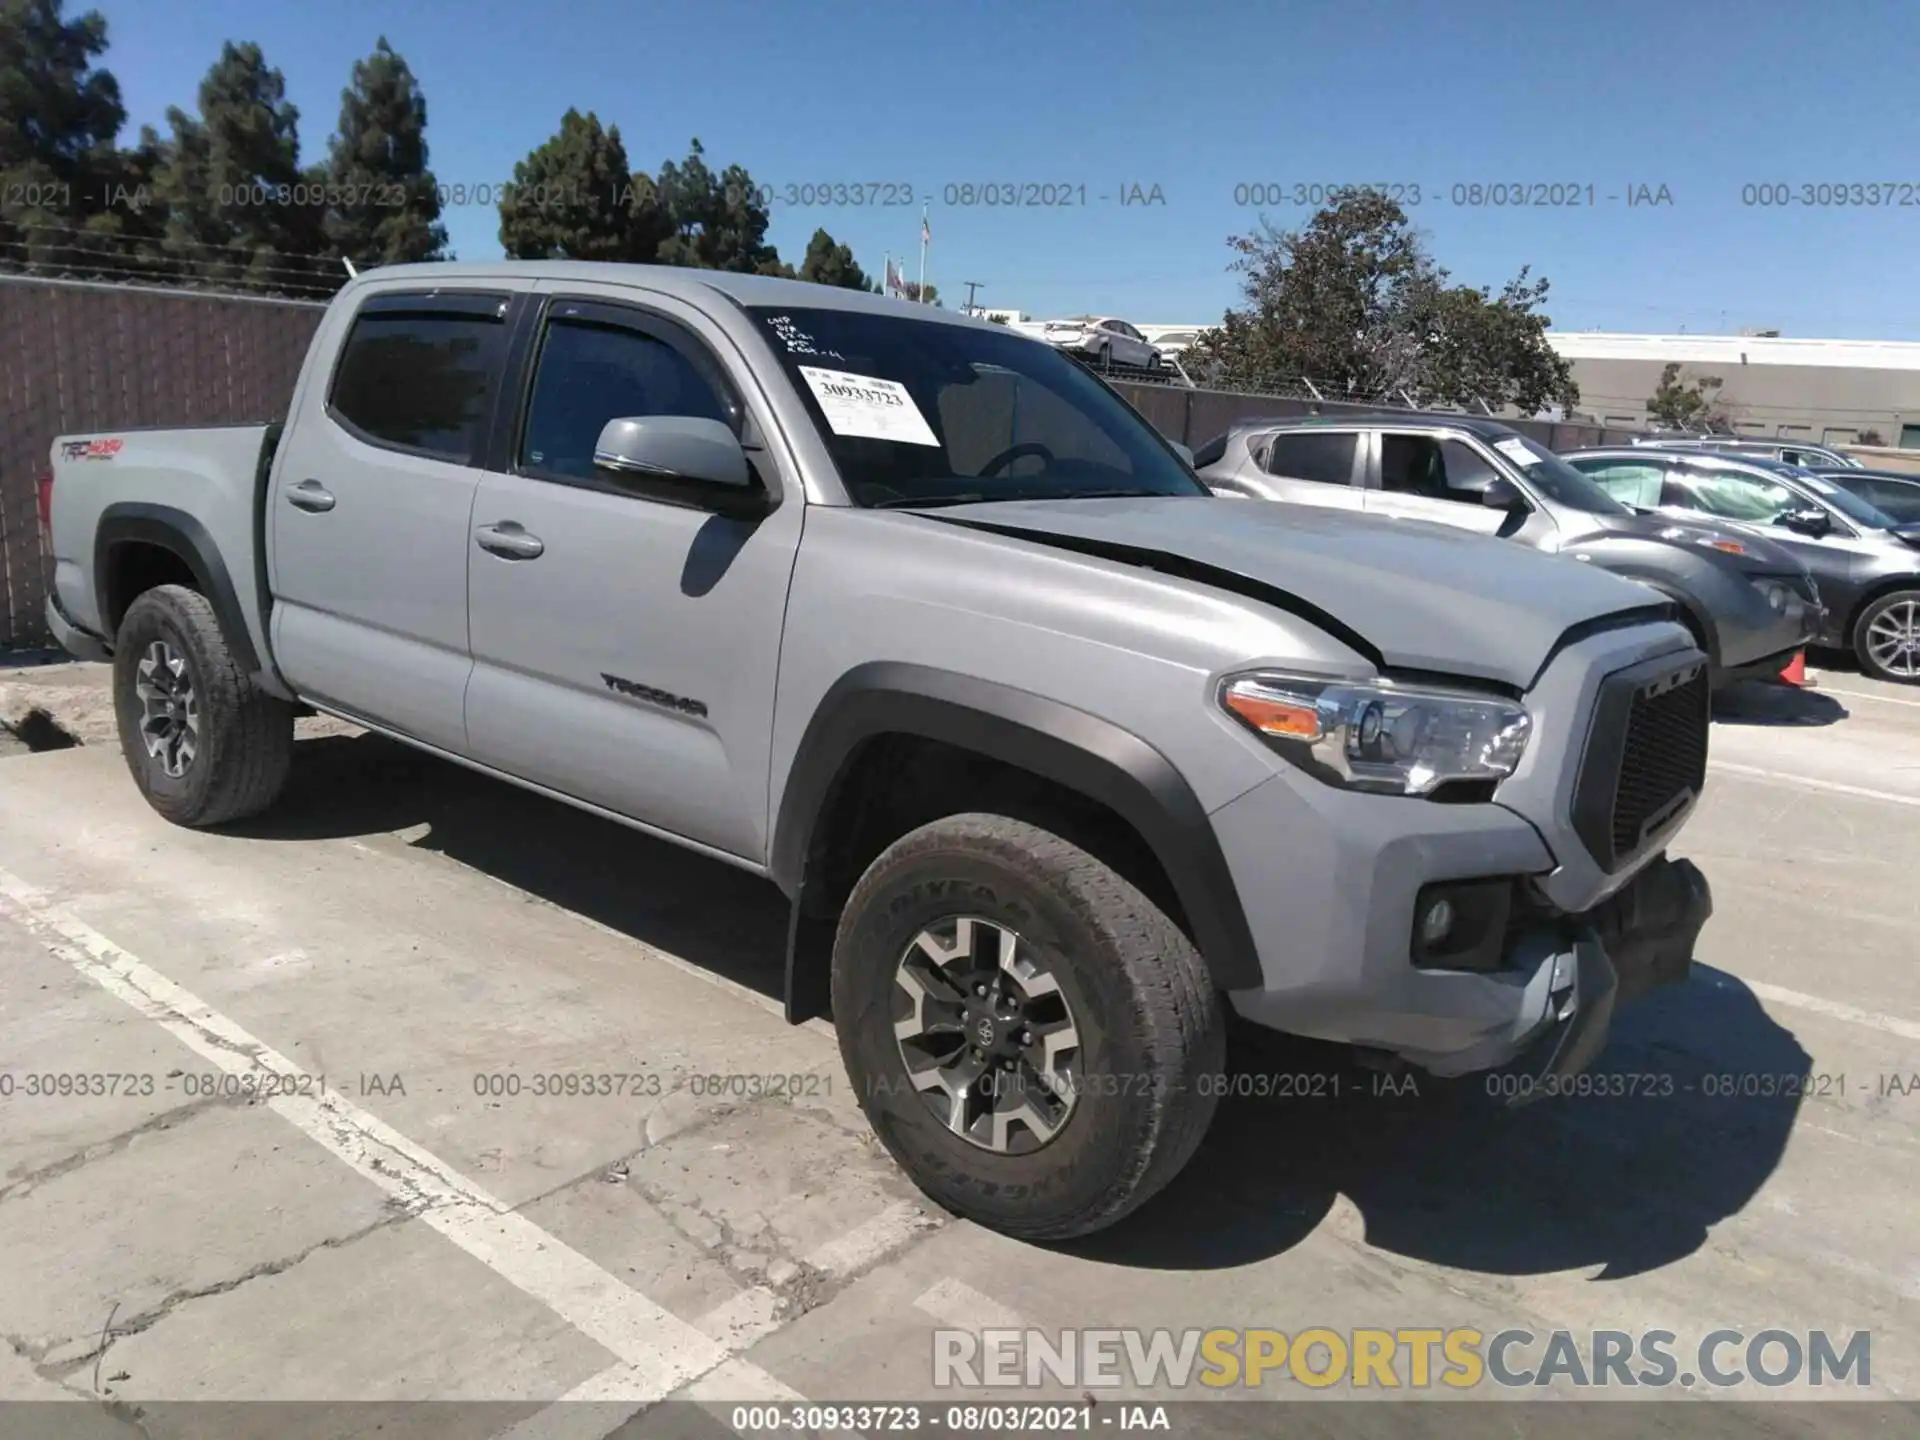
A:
(1444, 1172)
(1439, 1171)
(1764, 703)
(720, 918)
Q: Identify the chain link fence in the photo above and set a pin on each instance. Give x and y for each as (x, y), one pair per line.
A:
(1194, 416)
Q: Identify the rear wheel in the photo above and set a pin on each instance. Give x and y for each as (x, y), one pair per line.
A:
(1033, 1040)
(204, 743)
(1886, 637)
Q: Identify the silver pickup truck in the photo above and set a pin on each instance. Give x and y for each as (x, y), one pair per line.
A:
(1058, 759)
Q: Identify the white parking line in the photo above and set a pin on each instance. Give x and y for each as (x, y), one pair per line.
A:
(957, 1304)
(1808, 782)
(1835, 1009)
(659, 1353)
(737, 1324)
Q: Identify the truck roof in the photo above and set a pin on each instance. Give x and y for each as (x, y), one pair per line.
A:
(686, 283)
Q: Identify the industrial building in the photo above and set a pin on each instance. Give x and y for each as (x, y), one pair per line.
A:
(1839, 392)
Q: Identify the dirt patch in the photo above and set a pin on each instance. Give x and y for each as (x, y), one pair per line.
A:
(37, 730)
(54, 707)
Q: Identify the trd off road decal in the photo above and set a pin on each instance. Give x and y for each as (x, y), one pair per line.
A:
(90, 449)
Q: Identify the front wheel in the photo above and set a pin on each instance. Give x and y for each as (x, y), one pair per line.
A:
(1031, 1038)
(1886, 638)
(205, 744)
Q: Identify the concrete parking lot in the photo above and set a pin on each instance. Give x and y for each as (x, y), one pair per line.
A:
(409, 948)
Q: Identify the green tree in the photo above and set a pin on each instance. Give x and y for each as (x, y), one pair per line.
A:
(575, 198)
(1684, 405)
(828, 262)
(1475, 347)
(237, 200)
(383, 205)
(718, 220)
(911, 290)
(59, 115)
(1353, 303)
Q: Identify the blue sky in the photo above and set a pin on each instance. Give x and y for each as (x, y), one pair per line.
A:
(1196, 98)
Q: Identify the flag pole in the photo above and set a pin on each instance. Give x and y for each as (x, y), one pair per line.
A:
(923, 254)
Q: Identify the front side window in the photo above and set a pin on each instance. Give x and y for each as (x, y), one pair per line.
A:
(1410, 465)
(1325, 457)
(590, 373)
(927, 412)
(1466, 471)
(419, 381)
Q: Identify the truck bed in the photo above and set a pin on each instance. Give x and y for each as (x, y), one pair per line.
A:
(123, 487)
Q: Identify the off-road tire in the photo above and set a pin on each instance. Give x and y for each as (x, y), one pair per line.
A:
(1863, 651)
(245, 744)
(1153, 1025)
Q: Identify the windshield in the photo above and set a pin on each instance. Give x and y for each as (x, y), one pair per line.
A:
(925, 412)
(1556, 479)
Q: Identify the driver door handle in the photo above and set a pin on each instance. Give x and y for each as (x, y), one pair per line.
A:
(509, 541)
(310, 495)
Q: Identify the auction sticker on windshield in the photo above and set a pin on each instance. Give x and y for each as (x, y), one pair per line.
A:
(867, 407)
(1516, 449)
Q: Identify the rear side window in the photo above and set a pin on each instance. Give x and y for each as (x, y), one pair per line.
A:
(1313, 456)
(419, 381)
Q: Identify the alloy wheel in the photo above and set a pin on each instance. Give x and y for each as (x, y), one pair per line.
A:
(986, 1034)
(169, 708)
(1893, 639)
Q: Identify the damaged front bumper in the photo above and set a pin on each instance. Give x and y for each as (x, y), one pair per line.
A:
(1638, 940)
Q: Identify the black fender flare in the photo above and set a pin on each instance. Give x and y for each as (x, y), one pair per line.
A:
(139, 522)
(1068, 746)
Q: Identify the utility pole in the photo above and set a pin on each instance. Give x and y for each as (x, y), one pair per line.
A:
(972, 285)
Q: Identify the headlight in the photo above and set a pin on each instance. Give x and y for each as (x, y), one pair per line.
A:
(1379, 736)
(1712, 542)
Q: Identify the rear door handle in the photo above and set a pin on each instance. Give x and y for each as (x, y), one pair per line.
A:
(311, 495)
(508, 541)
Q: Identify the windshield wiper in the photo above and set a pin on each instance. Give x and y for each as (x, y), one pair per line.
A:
(1101, 495)
(918, 502)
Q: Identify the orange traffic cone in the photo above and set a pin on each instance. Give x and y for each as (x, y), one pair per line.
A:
(1796, 671)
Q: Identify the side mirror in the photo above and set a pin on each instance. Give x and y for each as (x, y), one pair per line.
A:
(1183, 452)
(1812, 522)
(1501, 494)
(673, 447)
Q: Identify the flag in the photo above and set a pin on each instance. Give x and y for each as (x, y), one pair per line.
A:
(926, 235)
(894, 284)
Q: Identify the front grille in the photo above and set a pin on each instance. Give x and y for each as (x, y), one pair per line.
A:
(1664, 761)
(1646, 759)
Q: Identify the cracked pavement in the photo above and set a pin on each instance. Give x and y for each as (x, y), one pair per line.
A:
(422, 944)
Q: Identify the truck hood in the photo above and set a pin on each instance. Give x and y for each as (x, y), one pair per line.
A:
(1410, 596)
